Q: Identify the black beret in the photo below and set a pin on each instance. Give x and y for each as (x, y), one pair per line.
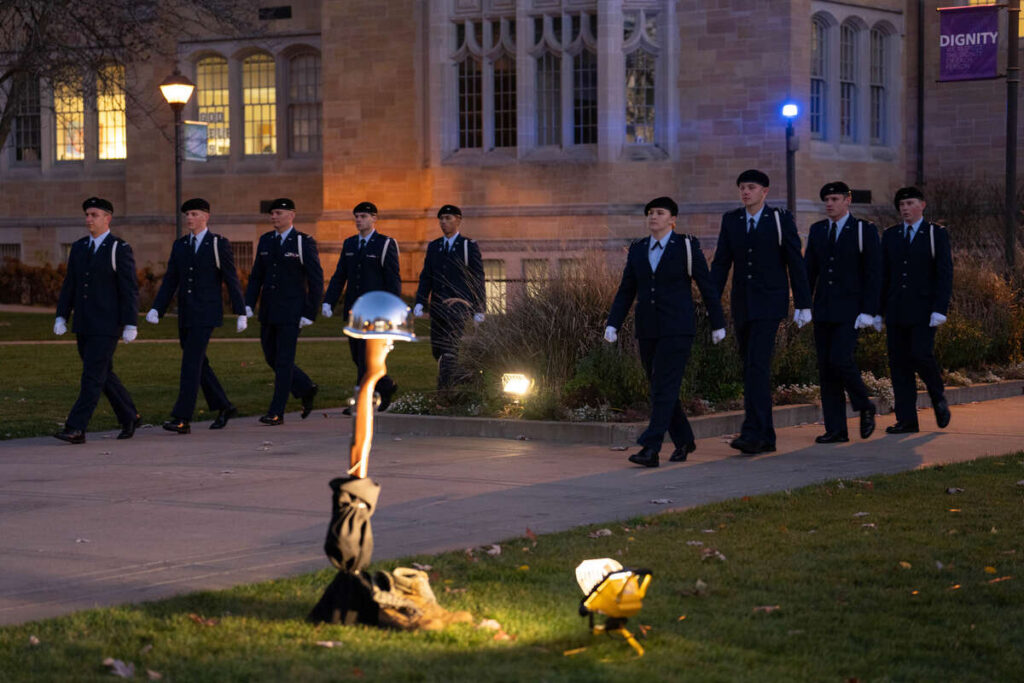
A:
(752, 175)
(907, 193)
(97, 203)
(196, 204)
(838, 187)
(282, 203)
(365, 207)
(450, 210)
(662, 203)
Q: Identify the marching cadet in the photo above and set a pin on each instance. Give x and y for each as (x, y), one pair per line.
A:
(199, 263)
(761, 243)
(658, 275)
(452, 280)
(917, 283)
(287, 279)
(101, 289)
(844, 268)
(368, 262)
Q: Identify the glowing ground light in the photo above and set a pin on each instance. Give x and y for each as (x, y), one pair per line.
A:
(516, 383)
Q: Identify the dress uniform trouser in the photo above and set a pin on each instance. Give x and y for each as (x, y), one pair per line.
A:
(279, 342)
(445, 332)
(911, 349)
(195, 373)
(357, 348)
(664, 360)
(837, 370)
(97, 354)
(756, 340)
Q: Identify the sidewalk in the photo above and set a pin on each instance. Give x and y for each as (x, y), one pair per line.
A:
(112, 521)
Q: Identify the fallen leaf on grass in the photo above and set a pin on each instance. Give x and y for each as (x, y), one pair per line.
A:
(861, 514)
(577, 650)
(202, 622)
(523, 568)
(530, 535)
(153, 675)
(329, 643)
(643, 628)
(869, 525)
(954, 587)
(954, 510)
(33, 641)
(905, 564)
(145, 648)
(681, 618)
(711, 554)
(599, 533)
(990, 570)
(119, 668)
(915, 592)
(422, 567)
(863, 483)
(696, 544)
(766, 609)
(954, 490)
(494, 550)
(661, 501)
(501, 635)
(489, 624)
(448, 589)
(707, 531)
(1000, 579)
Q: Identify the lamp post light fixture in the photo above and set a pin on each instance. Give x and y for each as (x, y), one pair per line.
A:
(790, 110)
(177, 90)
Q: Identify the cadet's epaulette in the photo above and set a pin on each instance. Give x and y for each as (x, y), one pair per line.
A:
(688, 236)
(636, 242)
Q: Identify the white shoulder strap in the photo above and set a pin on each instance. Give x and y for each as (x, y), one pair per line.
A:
(298, 239)
(465, 251)
(931, 235)
(113, 255)
(860, 236)
(216, 251)
(778, 226)
(384, 251)
(689, 258)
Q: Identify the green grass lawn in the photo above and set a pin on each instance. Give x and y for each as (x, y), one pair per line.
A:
(40, 382)
(888, 580)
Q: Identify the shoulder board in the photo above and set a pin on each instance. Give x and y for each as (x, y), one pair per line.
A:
(636, 242)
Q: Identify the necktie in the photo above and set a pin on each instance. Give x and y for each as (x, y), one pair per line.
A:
(909, 228)
(832, 231)
(192, 243)
(93, 247)
(362, 245)
(656, 246)
(750, 226)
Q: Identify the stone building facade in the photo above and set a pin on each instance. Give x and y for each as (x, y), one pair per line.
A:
(550, 122)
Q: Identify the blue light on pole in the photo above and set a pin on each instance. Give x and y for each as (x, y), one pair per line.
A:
(790, 110)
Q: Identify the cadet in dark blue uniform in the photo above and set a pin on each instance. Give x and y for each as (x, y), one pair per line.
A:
(200, 262)
(658, 274)
(101, 289)
(452, 280)
(917, 283)
(368, 262)
(760, 243)
(287, 279)
(844, 268)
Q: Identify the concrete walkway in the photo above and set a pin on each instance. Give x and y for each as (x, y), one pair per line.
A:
(110, 522)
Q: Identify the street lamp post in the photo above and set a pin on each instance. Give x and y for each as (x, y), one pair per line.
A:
(177, 90)
(789, 112)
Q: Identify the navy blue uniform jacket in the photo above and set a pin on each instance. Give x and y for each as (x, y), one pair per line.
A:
(915, 284)
(288, 286)
(763, 271)
(664, 298)
(104, 299)
(194, 276)
(376, 270)
(848, 281)
(447, 276)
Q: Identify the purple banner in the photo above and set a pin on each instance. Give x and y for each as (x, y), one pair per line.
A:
(968, 43)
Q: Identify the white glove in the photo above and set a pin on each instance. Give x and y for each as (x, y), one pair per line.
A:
(936, 320)
(863, 321)
(801, 316)
(130, 333)
(610, 335)
(877, 323)
(304, 322)
(60, 326)
(717, 335)
(242, 323)
(326, 310)
(152, 317)
(478, 317)
(417, 310)
(248, 312)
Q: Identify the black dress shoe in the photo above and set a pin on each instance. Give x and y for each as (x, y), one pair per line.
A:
(385, 398)
(128, 430)
(679, 454)
(179, 426)
(307, 402)
(347, 410)
(867, 421)
(902, 428)
(272, 420)
(750, 448)
(832, 437)
(645, 457)
(739, 443)
(71, 435)
(223, 416)
(942, 413)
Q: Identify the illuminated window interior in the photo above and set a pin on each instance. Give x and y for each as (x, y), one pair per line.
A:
(111, 112)
(259, 97)
(69, 110)
(213, 102)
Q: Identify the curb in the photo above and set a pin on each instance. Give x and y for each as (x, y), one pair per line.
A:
(620, 433)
